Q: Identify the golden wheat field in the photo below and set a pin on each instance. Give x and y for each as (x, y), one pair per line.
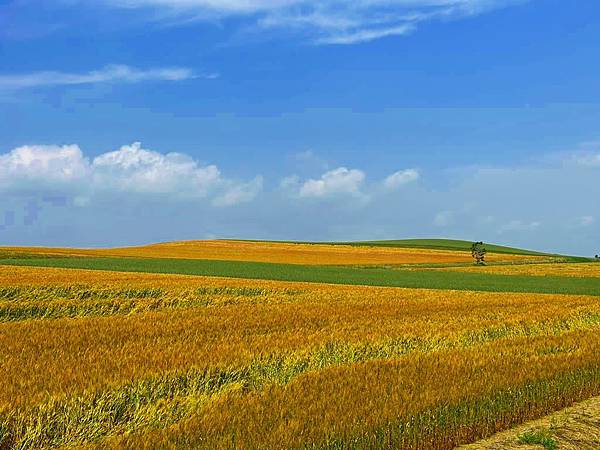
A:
(275, 252)
(582, 270)
(101, 360)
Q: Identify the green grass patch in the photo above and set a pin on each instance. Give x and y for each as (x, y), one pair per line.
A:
(326, 274)
(539, 437)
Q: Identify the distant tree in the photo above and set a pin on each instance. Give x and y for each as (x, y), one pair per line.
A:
(478, 252)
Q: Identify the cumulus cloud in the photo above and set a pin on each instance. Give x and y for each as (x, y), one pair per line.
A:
(400, 178)
(134, 169)
(130, 169)
(109, 74)
(326, 21)
(42, 163)
(334, 182)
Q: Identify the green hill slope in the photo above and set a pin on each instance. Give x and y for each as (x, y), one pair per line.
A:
(447, 244)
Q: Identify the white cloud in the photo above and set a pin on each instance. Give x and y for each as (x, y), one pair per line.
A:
(134, 169)
(326, 21)
(109, 74)
(130, 169)
(47, 163)
(334, 182)
(400, 178)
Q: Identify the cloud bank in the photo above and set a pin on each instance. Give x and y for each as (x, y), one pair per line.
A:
(128, 170)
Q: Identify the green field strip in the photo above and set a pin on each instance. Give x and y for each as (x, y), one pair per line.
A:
(427, 279)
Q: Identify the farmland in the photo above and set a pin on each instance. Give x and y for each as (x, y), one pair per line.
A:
(363, 275)
(103, 350)
(583, 270)
(285, 253)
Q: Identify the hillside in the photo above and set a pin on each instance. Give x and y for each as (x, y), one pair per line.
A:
(448, 244)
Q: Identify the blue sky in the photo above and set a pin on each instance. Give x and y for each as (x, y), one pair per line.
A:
(132, 121)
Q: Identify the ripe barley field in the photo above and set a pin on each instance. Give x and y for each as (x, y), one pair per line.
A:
(117, 359)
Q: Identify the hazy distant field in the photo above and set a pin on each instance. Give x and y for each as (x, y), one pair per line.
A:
(125, 359)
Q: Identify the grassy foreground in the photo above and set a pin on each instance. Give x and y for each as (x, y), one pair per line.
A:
(433, 279)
